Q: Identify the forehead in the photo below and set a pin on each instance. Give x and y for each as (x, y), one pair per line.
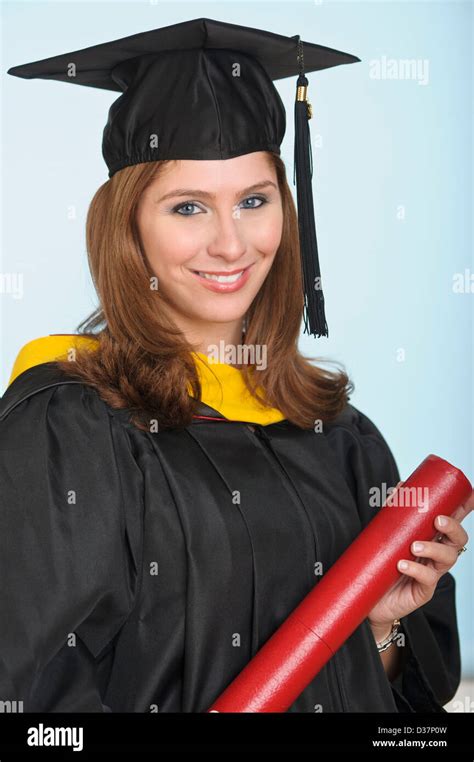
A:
(211, 175)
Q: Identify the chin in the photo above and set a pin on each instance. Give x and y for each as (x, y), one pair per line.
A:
(219, 316)
(219, 309)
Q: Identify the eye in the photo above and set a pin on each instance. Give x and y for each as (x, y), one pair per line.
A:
(184, 209)
(177, 209)
(262, 200)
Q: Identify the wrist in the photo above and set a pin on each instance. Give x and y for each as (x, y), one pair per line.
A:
(381, 631)
(386, 642)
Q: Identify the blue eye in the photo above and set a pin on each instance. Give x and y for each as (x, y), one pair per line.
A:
(262, 199)
(180, 209)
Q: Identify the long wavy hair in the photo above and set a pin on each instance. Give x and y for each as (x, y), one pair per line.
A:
(142, 362)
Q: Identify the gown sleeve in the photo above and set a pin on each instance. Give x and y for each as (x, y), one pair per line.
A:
(431, 664)
(68, 573)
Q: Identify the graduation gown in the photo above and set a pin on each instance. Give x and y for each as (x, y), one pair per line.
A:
(142, 571)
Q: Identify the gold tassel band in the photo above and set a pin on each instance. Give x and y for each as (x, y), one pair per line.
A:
(301, 95)
(301, 91)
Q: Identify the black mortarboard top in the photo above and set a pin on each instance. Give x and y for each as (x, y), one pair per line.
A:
(203, 89)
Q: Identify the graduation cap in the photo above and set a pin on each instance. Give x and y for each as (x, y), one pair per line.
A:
(203, 89)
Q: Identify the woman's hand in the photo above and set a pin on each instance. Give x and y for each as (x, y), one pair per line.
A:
(418, 582)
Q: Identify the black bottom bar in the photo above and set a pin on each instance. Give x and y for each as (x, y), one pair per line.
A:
(428, 736)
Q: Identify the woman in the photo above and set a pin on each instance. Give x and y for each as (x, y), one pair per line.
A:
(163, 514)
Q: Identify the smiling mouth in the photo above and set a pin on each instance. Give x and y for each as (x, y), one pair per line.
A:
(222, 276)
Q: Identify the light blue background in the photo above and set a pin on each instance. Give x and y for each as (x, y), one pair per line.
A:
(386, 144)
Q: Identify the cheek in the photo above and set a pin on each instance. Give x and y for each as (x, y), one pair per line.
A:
(265, 234)
(167, 245)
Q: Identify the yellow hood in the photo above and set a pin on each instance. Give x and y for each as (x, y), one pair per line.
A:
(222, 385)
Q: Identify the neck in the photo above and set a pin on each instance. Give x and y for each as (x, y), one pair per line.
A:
(213, 338)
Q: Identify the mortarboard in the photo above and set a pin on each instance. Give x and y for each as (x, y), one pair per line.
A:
(203, 89)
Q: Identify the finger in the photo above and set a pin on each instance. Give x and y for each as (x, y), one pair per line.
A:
(469, 504)
(461, 512)
(453, 532)
(426, 576)
(443, 556)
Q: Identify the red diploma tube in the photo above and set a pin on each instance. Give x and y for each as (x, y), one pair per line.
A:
(345, 595)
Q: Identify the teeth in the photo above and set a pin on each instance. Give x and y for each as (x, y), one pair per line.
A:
(222, 278)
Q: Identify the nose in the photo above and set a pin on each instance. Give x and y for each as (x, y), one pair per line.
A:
(227, 238)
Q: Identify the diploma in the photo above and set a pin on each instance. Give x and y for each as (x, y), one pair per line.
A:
(345, 595)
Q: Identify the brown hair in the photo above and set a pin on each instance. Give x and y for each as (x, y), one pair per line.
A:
(143, 362)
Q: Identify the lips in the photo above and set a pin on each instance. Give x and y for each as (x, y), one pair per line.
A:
(222, 281)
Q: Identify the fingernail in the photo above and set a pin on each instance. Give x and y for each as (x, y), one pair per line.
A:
(417, 546)
(442, 521)
(402, 565)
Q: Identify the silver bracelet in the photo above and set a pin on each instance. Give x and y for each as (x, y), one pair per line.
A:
(384, 644)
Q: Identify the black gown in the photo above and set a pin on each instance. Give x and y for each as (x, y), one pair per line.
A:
(142, 571)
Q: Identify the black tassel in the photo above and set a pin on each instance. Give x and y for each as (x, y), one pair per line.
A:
(314, 317)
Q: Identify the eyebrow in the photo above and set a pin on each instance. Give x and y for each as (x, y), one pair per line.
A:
(205, 194)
